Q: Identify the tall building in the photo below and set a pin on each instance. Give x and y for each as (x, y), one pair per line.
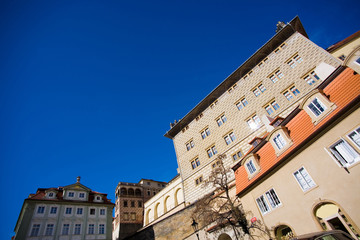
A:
(303, 175)
(236, 113)
(70, 212)
(129, 205)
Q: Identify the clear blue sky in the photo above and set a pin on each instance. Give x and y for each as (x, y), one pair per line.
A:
(89, 87)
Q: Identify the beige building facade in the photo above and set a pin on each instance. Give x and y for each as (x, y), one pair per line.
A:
(166, 202)
(267, 85)
(311, 184)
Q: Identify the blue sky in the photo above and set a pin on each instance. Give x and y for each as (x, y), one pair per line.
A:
(89, 87)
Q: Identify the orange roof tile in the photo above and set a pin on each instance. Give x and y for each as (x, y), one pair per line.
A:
(342, 90)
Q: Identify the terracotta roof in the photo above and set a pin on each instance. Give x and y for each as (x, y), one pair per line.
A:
(301, 128)
(343, 42)
(41, 192)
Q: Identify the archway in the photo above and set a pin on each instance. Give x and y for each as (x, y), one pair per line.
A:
(131, 192)
(331, 217)
(178, 196)
(147, 217)
(224, 236)
(157, 211)
(166, 204)
(283, 232)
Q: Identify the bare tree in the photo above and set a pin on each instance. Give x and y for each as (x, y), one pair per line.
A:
(222, 207)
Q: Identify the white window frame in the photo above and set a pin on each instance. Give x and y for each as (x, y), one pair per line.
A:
(304, 179)
(268, 201)
(356, 141)
(251, 166)
(68, 212)
(279, 141)
(53, 212)
(318, 108)
(77, 228)
(65, 229)
(91, 228)
(35, 230)
(40, 210)
(49, 230)
(71, 194)
(346, 155)
(102, 229)
(79, 211)
(102, 211)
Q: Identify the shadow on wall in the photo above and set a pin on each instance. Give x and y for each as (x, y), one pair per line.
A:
(145, 234)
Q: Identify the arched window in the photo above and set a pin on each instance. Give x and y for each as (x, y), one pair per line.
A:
(131, 191)
(283, 232)
(224, 236)
(331, 217)
(137, 192)
(123, 191)
(157, 211)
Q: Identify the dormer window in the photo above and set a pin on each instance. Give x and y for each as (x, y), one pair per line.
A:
(71, 194)
(317, 106)
(81, 195)
(279, 139)
(251, 165)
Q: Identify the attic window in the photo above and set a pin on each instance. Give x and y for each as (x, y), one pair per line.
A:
(251, 164)
(317, 106)
(279, 139)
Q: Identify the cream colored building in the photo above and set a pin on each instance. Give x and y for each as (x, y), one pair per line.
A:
(166, 202)
(308, 181)
(348, 51)
(269, 84)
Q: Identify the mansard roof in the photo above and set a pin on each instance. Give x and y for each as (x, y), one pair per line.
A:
(301, 128)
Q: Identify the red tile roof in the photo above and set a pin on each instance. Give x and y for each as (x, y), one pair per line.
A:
(343, 42)
(342, 90)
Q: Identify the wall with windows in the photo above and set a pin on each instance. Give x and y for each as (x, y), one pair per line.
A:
(272, 88)
(314, 188)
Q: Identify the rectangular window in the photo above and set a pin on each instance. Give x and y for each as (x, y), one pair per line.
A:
(91, 229)
(354, 136)
(344, 153)
(132, 203)
(139, 204)
(35, 230)
(215, 164)
(229, 138)
(263, 206)
(205, 133)
(68, 210)
(237, 156)
(53, 210)
(92, 211)
(198, 180)
(211, 151)
(311, 78)
(304, 179)
(256, 92)
(126, 216)
(49, 229)
(316, 107)
(102, 212)
(66, 229)
(291, 63)
(190, 145)
(41, 210)
(275, 105)
(125, 203)
(101, 228)
(251, 166)
(71, 194)
(133, 216)
(273, 198)
(269, 110)
(79, 211)
(77, 229)
(81, 195)
(242, 103)
(291, 93)
(279, 141)
(271, 107)
(221, 120)
(298, 59)
(254, 122)
(357, 60)
(195, 163)
(262, 88)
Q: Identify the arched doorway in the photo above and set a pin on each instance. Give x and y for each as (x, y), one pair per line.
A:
(283, 232)
(331, 217)
(224, 236)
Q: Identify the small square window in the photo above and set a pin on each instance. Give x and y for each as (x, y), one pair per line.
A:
(198, 180)
(71, 194)
(81, 195)
(195, 163)
(211, 151)
(53, 210)
(221, 120)
(291, 92)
